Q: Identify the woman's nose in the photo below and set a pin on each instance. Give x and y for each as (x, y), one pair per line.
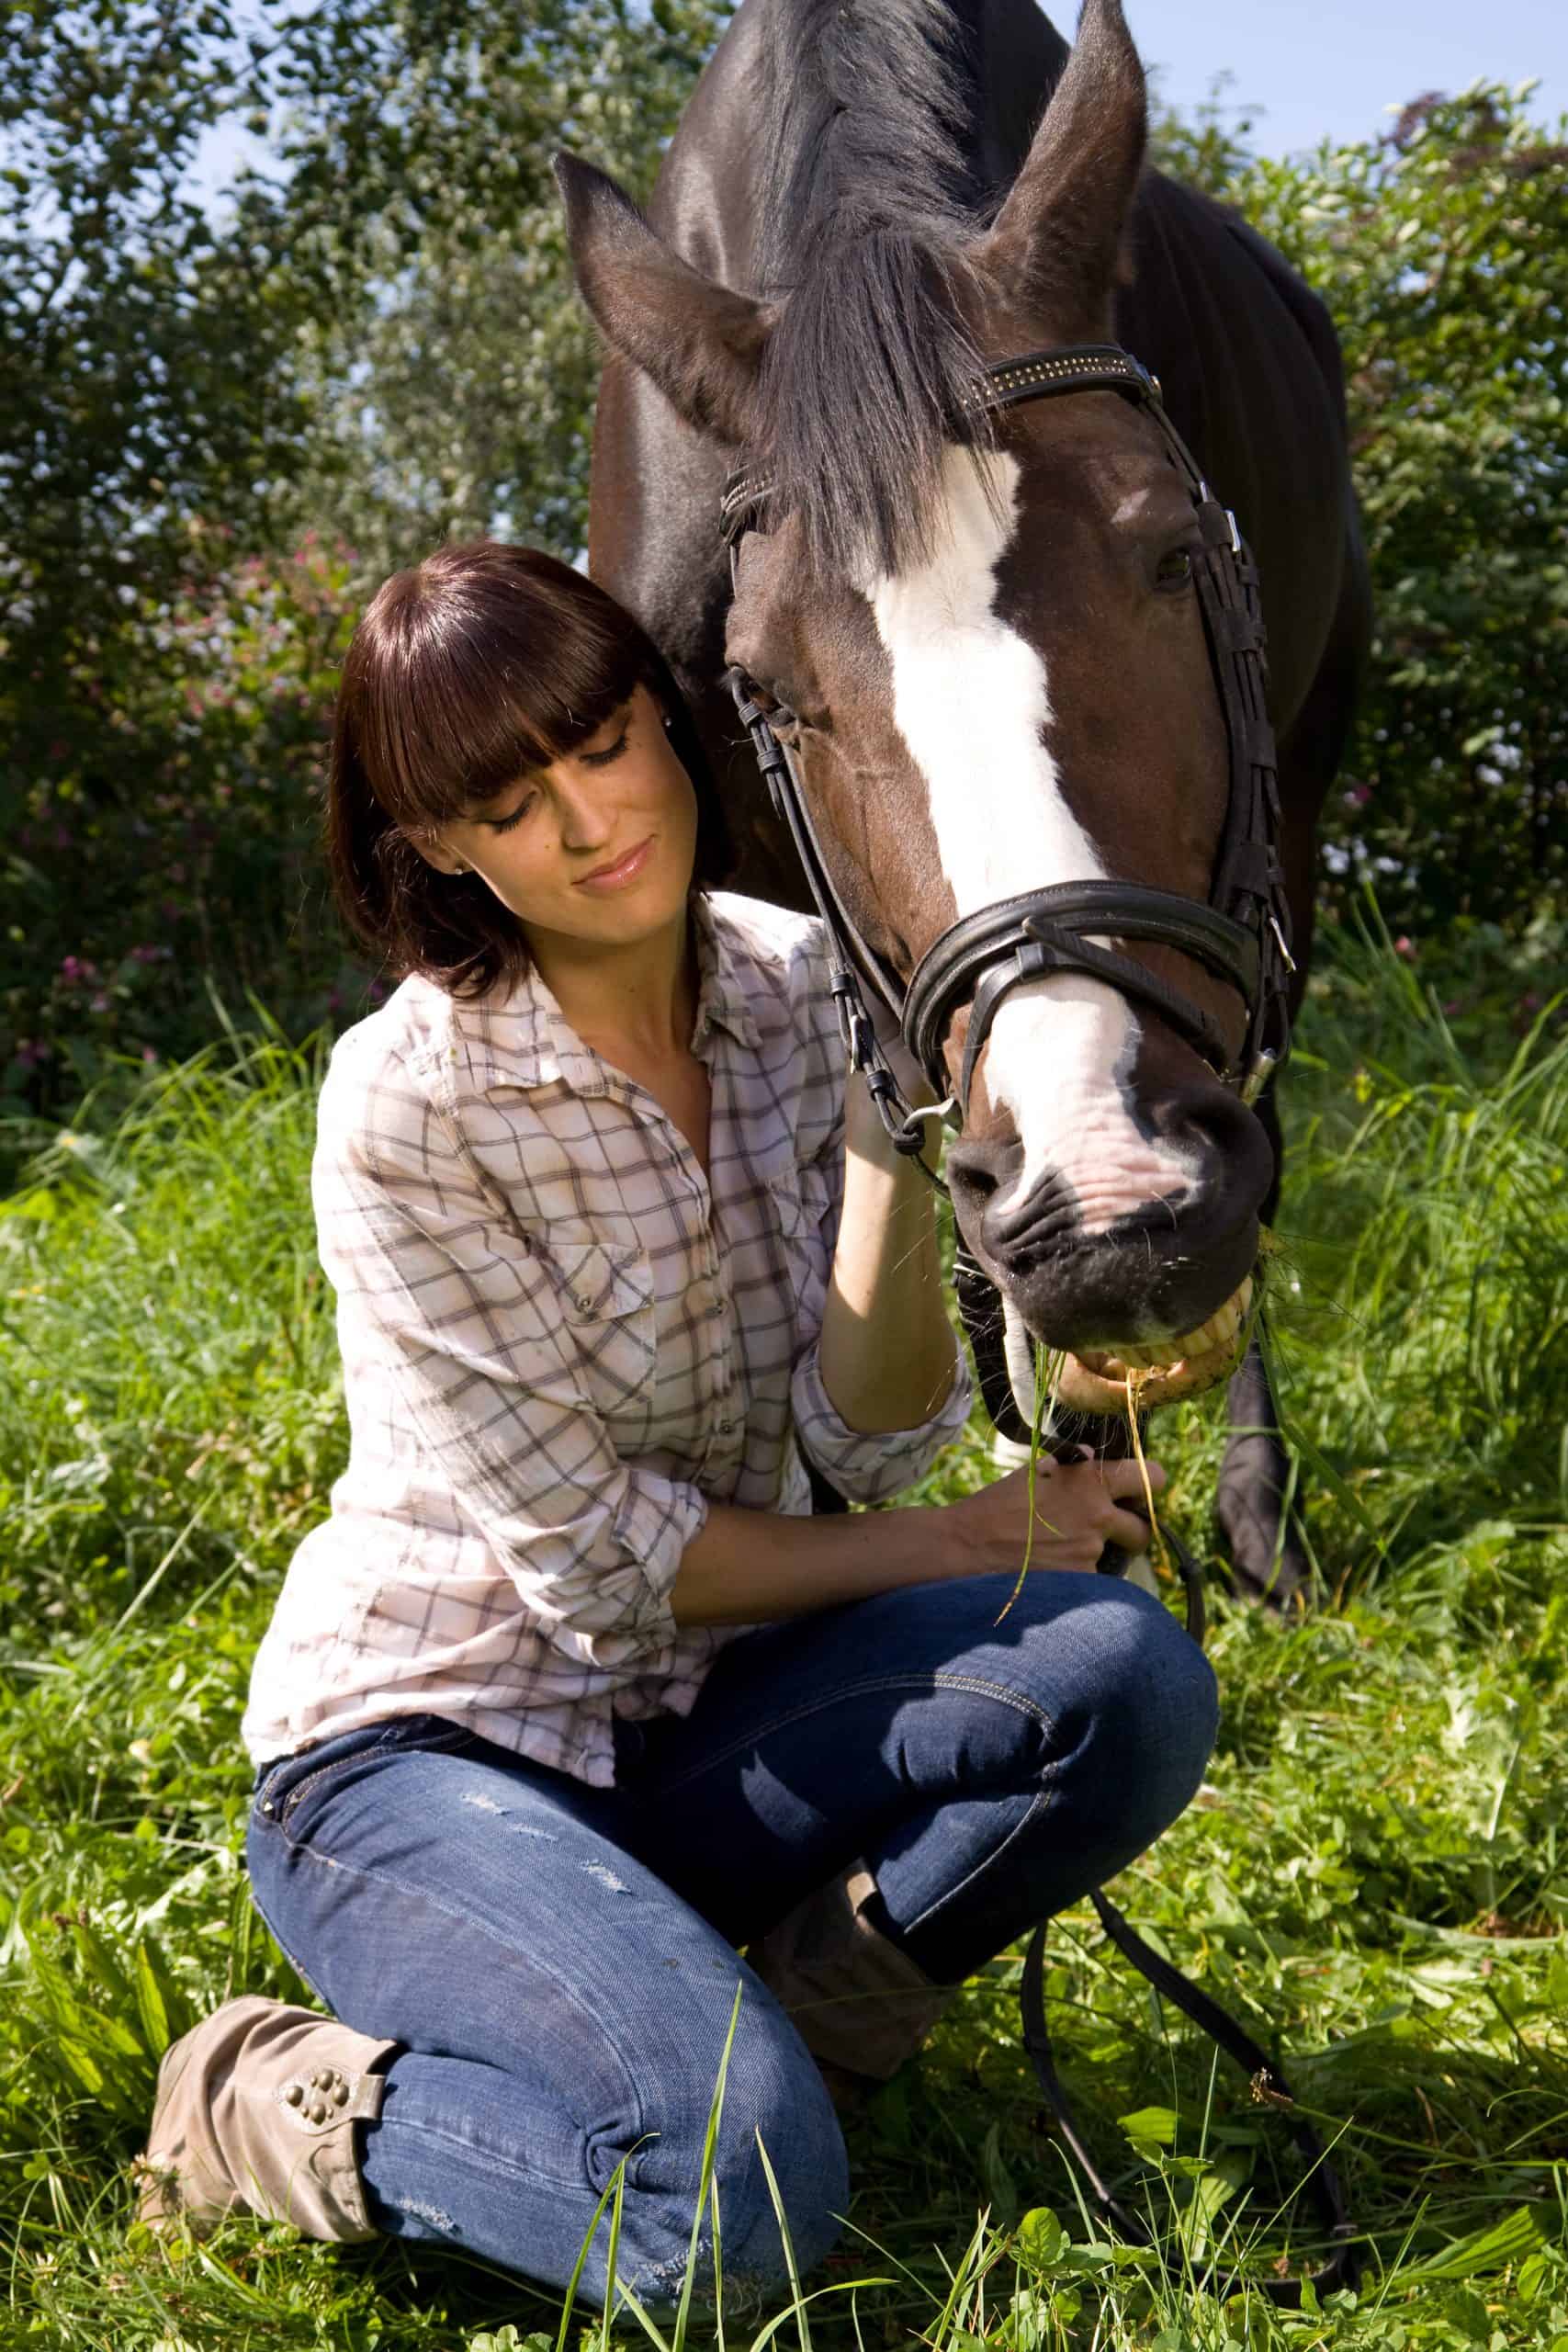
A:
(585, 823)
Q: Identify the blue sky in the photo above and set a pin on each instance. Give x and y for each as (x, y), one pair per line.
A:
(1330, 67)
(1314, 68)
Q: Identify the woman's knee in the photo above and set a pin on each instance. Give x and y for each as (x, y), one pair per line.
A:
(773, 2099)
(1157, 1707)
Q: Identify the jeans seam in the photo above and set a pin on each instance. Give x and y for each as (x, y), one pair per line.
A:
(1039, 1802)
(486, 2152)
(936, 1680)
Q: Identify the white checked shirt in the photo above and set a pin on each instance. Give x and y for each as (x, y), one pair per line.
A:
(558, 1339)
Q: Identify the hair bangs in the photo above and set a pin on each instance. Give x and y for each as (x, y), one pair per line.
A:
(482, 672)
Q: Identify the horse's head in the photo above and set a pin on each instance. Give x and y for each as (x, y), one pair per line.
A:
(981, 635)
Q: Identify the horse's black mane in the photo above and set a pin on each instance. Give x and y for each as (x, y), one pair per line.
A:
(867, 209)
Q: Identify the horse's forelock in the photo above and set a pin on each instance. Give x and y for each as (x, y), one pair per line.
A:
(866, 222)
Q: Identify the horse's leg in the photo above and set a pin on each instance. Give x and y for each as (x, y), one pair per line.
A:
(1259, 1518)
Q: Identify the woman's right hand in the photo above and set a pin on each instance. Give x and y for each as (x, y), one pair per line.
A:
(1079, 1507)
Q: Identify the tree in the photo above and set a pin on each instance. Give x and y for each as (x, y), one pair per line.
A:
(1441, 251)
(371, 344)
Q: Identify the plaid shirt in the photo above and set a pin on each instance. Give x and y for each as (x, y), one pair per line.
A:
(559, 1338)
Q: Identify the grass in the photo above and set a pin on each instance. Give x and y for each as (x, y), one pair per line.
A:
(1377, 1872)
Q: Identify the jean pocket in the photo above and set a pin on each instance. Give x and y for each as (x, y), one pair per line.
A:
(290, 1793)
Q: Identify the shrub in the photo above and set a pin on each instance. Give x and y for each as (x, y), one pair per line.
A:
(164, 846)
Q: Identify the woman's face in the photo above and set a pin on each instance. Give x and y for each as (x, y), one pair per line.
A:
(600, 846)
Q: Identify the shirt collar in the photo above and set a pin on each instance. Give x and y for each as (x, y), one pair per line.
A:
(726, 994)
(529, 1042)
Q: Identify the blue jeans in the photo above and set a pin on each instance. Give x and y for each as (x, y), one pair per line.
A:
(558, 1961)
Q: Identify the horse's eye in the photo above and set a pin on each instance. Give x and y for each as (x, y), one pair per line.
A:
(1174, 571)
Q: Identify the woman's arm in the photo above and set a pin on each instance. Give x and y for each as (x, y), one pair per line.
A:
(745, 1567)
(888, 1350)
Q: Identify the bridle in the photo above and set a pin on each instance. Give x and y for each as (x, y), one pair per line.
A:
(1242, 935)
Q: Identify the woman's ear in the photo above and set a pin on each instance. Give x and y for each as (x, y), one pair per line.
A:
(434, 852)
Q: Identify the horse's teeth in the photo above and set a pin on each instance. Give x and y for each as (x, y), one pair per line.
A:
(1219, 1331)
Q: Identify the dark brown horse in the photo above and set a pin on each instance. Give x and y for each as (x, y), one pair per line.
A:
(982, 633)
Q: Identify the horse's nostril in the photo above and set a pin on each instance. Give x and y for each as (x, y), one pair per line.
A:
(977, 1170)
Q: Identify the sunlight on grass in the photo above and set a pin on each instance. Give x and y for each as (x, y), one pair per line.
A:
(1376, 1874)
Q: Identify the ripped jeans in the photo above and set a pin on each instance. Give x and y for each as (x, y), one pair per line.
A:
(558, 1961)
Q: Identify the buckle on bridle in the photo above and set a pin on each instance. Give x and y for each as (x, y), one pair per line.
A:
(1265, 1062)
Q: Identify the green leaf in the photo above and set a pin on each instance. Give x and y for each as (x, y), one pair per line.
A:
(1507, 2241)
(1150, 2127)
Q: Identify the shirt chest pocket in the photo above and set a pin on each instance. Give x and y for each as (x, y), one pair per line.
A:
(606, 1297)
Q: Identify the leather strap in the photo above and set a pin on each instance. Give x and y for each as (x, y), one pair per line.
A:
(1041, 931)
(1320, 2180)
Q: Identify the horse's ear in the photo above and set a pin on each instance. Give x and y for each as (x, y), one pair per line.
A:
(700, 343)
(1057, 241)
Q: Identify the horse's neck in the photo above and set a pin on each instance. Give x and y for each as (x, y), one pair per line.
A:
(1016, 56)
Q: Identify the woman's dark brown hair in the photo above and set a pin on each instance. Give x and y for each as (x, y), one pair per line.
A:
(479, 663)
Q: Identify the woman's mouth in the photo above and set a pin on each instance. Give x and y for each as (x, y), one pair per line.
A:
(623, 870)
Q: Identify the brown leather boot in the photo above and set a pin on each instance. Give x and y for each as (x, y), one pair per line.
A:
(255, 2114)
(858, 2004)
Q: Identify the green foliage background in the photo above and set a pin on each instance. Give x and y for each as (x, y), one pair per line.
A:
(222, 425)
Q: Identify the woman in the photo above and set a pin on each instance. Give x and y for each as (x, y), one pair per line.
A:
(571, 1695)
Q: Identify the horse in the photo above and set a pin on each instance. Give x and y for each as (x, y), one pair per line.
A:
(974, 625)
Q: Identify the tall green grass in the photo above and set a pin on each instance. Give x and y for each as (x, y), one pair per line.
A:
(1378, 1869)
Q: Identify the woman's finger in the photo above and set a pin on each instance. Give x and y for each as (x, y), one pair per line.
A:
(1126, 1478)
(1128, 1531)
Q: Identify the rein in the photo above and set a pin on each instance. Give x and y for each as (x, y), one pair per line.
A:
(1242, 935)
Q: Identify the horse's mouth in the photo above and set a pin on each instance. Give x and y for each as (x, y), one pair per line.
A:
(1160, 1372)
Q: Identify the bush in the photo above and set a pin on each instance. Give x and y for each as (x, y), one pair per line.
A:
(1442, 254)
(165, 847)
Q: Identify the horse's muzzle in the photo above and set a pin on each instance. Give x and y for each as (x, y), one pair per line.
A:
(1117, 1272)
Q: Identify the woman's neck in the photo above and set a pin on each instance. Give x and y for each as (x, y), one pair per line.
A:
(644, 995)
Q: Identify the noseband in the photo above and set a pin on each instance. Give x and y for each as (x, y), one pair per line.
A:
(1241, 933)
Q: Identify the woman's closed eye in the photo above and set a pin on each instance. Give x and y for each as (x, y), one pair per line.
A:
(514, 817)
(601, 759)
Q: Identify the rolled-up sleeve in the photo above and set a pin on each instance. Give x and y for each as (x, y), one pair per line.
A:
(436, 1283)
(869, 1467)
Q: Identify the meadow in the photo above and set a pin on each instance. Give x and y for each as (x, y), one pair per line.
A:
(1376, 1874)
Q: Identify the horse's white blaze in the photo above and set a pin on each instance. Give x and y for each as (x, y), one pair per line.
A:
(972, 701)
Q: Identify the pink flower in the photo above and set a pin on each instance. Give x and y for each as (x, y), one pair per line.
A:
(1405, 947)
